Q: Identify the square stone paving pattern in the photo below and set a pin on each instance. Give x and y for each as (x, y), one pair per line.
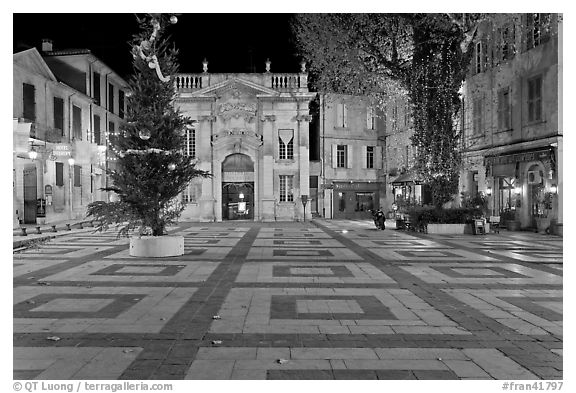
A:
(316, 300)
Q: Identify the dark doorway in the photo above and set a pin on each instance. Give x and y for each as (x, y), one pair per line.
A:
(30, 195)
(238, 201)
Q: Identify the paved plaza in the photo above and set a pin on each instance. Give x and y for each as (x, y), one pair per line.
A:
(315, 300)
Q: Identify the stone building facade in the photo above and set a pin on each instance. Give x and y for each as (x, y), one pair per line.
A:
(352, 156)
(252, 134)
(64, 105)
(512, 136)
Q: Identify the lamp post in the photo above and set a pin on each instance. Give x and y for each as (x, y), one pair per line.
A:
(70, 168)
(304, 199)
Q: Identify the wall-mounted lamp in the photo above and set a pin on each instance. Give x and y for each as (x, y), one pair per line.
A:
(32, 154)
(554, 188)
(71, 161)
(518, 190)
(241, 196)
(489, 191)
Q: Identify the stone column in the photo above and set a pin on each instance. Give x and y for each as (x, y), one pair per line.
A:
(206, 202)
(303, 162)
(267, 169)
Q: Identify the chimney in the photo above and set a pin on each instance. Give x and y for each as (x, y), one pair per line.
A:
(46, 45)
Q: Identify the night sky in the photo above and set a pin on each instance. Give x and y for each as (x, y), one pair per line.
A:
(230, 42)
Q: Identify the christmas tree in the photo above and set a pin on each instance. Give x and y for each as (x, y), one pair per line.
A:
(151, 168)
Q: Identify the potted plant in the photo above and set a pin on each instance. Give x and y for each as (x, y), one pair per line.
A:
(544, 207)
(151, 169)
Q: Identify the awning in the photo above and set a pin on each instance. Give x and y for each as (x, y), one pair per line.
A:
(407, 178)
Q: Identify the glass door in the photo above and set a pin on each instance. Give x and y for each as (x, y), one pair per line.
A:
(238, 201)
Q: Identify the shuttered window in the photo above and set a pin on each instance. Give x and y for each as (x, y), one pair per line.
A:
(535, 99)
(29, 102)
(77, 122)
(97, 133)
(121, 104)
(341, 115)
(59, 173)
(97, 94)
(77, 175)
(370, 157)
(111, 97)
(341, 156)
(59, 114)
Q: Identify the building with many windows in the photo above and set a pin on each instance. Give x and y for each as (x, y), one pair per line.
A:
(351, 155)
(512, 136)
(64, 105)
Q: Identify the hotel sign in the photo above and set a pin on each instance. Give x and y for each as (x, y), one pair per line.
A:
(62, 150)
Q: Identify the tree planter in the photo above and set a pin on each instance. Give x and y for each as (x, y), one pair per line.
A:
(513, 225)
(156, 246)
(449, 229)
(542, 224)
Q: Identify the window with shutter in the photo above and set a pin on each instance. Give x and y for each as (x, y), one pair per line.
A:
(97, 94)
(341, 158)
(504, 114)
(59, 115)
(77, 175)
(111, 97)
(97, 134)
(384, 119)
(477, 116)
(341, 115)
(370, 157)
(77, 122)
(535, 99)
(59, 173)
(29, 102)
(121, 103)
(370, 118)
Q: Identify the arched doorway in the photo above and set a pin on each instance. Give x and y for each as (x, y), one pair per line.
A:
(238, 187)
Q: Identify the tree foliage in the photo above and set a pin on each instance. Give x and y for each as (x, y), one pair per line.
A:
(383, 56)
(149, 172)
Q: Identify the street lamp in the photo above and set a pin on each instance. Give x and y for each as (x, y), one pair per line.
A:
(304, 199)
(553, 188)
(32, 154)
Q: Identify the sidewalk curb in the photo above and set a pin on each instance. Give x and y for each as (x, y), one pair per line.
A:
(19, 243)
